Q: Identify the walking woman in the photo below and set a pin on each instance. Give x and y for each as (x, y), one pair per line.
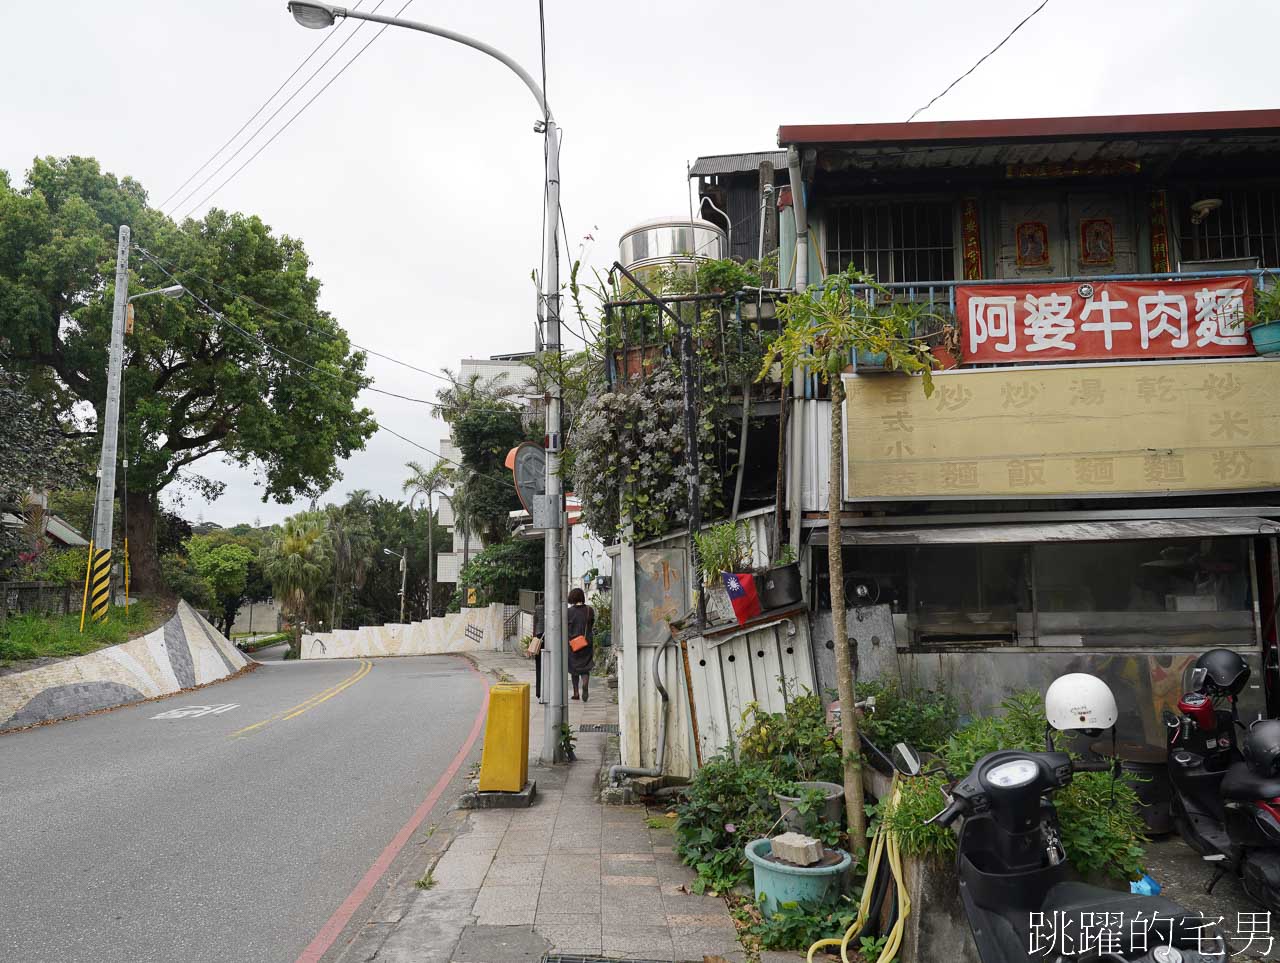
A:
(581, 622)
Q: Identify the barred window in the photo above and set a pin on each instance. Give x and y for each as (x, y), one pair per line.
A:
(893, 240)
(1246, 225)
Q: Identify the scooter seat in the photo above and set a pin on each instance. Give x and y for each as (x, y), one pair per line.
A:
(1241, 782)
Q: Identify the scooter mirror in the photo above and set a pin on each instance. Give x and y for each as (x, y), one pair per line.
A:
(906, 760)
(1198, 677)
(1169, 718)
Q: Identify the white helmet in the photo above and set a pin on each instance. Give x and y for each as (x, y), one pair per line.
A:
(1080, 701)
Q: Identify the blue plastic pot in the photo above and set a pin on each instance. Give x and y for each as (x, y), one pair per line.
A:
(779, 883)
(1266, 337)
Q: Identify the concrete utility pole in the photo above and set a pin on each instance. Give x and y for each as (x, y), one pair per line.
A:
(404, 579)
(99, 576)
(318, 16)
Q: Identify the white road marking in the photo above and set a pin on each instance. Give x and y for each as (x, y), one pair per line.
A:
(195, 712)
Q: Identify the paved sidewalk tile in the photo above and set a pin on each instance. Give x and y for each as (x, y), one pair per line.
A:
(567, 875)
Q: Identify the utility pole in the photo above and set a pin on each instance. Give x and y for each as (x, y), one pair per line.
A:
(553, 586)
(99, 579)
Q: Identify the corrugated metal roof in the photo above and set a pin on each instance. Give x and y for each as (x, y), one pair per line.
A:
(1022, 533)
(736, 163)
(1104, 127)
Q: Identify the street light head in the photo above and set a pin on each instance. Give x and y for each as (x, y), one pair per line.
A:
(387, 551)
(173, 291)
(315, 16)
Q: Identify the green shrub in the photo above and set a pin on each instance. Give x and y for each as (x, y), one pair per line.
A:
(798, 925)
(922, 718)
(796, 743)
(728, 804)
(58, 636)
(1102, 830)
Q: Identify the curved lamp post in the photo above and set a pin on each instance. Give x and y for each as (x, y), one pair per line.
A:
(318, 16)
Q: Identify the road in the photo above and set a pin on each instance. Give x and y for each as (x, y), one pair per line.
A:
(235, 835)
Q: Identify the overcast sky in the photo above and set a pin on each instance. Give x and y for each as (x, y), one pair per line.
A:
(415, 179)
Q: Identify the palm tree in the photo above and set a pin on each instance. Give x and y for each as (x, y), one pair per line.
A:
(297, 562)
(352, 543)
(429, 481)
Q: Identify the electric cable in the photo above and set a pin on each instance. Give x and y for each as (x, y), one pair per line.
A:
(329, 35)
(160, 263)
(381, 427)
(978, 62)
(299, 113)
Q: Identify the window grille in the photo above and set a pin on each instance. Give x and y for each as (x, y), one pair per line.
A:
(897, 241)
(1247, 225)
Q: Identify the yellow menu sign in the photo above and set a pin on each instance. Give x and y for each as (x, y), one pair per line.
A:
(1068, 430)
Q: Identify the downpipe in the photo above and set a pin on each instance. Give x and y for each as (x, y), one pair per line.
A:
(616, 772)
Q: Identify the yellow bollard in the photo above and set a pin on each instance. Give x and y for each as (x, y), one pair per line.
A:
(504, 763)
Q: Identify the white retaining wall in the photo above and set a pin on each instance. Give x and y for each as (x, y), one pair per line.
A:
(471, 630)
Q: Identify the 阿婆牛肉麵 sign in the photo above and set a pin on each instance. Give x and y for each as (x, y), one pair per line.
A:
(1077, 430)
(1104, 320)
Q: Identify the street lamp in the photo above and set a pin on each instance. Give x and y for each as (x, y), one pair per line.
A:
(431, 551)
(172, 291)
(404, 575)
(317, 16)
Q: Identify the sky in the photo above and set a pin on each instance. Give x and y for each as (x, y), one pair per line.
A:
(415, 178)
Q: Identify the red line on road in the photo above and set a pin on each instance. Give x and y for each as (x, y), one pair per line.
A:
(331, 930)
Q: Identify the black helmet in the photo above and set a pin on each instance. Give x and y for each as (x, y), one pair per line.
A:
(1262, 748)
(1225, 672)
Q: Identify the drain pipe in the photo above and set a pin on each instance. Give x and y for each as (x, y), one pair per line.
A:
(799, 376)
(615, 772)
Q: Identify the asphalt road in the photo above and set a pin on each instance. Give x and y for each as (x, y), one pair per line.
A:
(229, 836)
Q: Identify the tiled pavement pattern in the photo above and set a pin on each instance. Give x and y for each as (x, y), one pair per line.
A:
(567, 876)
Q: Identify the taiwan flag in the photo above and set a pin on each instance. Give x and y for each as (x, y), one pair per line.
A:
(743, 595)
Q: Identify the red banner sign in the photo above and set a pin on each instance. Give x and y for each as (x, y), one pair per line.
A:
(1194, 318)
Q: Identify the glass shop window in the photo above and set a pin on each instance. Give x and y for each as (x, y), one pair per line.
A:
(1178, 592)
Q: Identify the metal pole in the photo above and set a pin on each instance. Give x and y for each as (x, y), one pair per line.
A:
(431, 559)
(404, 579)
(100, 564)
(553, 586)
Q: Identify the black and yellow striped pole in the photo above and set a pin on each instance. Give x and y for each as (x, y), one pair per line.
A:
(100, 584)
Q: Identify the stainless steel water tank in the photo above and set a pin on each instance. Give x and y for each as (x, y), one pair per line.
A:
(667, 239)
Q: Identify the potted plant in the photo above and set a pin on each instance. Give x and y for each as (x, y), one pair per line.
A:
(725, 547)
(780, 583)
(1264, 320)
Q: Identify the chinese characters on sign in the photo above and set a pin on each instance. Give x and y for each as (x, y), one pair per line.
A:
(1064, 935)
(1044, 322)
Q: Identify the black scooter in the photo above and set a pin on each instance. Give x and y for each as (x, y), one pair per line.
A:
(1013, 874)
(1222, 808)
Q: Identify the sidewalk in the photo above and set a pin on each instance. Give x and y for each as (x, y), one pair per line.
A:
(567, 877)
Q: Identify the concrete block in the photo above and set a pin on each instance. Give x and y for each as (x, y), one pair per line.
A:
(797, 849)
(474, 799)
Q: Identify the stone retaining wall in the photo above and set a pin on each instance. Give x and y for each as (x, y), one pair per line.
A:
(184, 652)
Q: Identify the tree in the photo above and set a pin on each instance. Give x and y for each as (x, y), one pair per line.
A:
(35, 455)
(271, 384)
(501, 571)
(430, 482)
(377, 601)
(352, 544)
(823, 326)
(225, 567)
(298, 563)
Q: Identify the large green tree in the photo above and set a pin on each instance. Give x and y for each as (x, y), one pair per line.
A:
(298, 563)
(269, 385)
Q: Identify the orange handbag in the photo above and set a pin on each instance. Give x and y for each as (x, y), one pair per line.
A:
(578, 643)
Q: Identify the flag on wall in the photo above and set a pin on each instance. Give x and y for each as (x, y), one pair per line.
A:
(743, 595)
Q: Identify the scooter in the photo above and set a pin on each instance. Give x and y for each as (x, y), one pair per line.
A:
(1013, 872)
(1226, 802)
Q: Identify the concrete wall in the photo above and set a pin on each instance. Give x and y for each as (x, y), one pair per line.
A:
(471, 630)
(258, 617)
(185, 652)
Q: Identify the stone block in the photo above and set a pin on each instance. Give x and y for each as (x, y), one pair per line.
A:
(797, 849)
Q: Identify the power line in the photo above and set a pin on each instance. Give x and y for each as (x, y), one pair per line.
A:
(381, 427)
(249, 334)
(275, 113)
(979, 61)
(329, 35)
(300, 112)
(160, 263)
